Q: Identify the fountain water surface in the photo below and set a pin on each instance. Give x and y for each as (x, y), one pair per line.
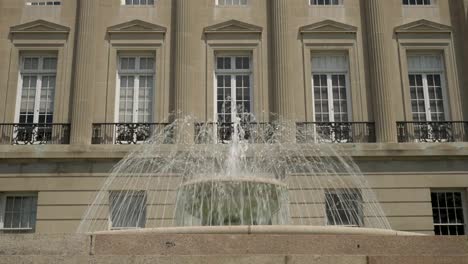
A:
(262, 174)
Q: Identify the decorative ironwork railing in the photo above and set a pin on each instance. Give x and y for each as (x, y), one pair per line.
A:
(34, 134)
(220, 133)
(336, 132)
(130, 133)
(433, 132)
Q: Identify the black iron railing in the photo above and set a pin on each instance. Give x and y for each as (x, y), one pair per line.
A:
(432, 132)
(252, 132)
(336, 132)
(34, 134)
(130, 133)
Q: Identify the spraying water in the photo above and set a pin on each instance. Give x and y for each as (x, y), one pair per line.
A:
(244, 173)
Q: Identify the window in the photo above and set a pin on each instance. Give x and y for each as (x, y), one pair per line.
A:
(18, 212)
(326, 2)
(426, 80)
(38, 75)
(127, 209)
(330, 88)
(416, 2)
(35, 105)
(344, 208)
(448, 212)
(137, 2)
(43, 3)
(231, 2)
(233, 88)
(136, 85)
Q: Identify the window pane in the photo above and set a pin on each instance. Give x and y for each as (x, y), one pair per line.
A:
(128, 209)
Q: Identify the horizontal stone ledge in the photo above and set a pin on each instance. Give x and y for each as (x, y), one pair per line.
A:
(358, 150)
(268, 230)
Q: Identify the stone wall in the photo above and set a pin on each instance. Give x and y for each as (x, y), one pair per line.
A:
(232, 248)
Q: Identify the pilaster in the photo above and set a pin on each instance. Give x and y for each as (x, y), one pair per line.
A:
(183, 71)
(83, 86)
(280, 57)
(380, 62)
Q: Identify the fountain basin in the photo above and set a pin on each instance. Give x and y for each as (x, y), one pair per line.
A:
(264, 230)
(232, 201)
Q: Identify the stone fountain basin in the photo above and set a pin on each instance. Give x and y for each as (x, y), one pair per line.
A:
(232, 201)
(263, 230)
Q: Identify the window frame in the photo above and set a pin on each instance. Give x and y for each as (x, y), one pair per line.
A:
(137, 73)
(361, 206)
(233, 73)
(431, 3)
(123, 3)
(464, 198)
(40, 73)
(329, 74)
(3, 199)
(425, 73)
(340, 3)
(217, 4)
(133, 194)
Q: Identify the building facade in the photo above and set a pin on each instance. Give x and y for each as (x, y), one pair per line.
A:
(80, 80)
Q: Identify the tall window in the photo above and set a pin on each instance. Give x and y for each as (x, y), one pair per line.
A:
(127, 209)
(330, 87)
(233, 87)
(426, 80)
(448, 212)
(38, 76)
(344, 208)
(18, 212)
(416, 2)
(326, 2)
(136, 80)
(231, 2)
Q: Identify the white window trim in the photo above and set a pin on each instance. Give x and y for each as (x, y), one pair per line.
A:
(327, 223)
(443, 84)
(331, 109)
(39, 74)
(464, 204)
(233, 5)
(110, 224)
(340, 3)
(122, 2)
(137, 75)
(3, 199)
(233, 74)
(432, 4)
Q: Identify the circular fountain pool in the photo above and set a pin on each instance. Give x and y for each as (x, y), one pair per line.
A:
(232, 201)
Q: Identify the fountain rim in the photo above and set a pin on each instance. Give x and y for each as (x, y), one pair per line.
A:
(260, 230)
(233, 179)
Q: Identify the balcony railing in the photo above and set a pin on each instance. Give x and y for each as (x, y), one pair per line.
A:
(130, 133)
(433, 132)
(34, 134)
(336, 132)
(221, 133)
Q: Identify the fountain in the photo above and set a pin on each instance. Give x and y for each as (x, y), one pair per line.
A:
(257, 175)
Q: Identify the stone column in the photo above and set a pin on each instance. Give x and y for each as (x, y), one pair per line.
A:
(280, 58)
(85, 64)
(184, 27)
(182, 55)
(380, 67)
(281, 81)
